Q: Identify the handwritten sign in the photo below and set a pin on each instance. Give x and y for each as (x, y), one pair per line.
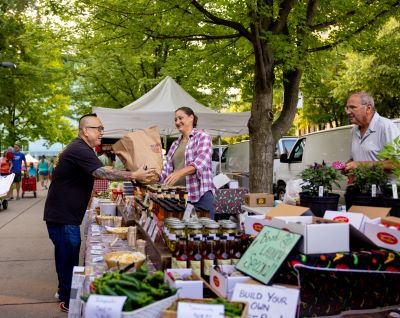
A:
(188, 211)
(194, 310)
(99, 306)
(267, 301)
(267, 252)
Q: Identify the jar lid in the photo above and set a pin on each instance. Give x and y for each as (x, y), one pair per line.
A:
(213, 225)
(194, 226)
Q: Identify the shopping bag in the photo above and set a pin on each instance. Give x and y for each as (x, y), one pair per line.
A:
(141, 148)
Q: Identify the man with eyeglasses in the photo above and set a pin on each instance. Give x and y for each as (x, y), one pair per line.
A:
(370, 133)
(69, 195)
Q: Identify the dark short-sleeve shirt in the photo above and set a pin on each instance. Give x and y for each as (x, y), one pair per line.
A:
(72, 184)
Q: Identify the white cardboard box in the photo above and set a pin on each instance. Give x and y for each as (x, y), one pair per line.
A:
(225, 285)
(383, 236)
(318, 238)
(186, 288)
(355, 219)
(253, 224)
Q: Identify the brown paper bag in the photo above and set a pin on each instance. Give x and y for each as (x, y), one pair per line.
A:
(141, 148)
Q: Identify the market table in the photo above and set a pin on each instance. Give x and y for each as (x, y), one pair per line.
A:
(337, 282)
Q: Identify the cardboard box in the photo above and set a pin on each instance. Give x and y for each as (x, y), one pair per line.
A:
(355, 219)
(253, 224)
(371, 214)
(224, 285)
(171, 312)
(318, 238)
(186, 288)
(259, 199)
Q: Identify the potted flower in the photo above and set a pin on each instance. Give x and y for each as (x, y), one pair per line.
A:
(359, 193)
(317, 186)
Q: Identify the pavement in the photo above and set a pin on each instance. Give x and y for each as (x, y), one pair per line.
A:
(28, 280)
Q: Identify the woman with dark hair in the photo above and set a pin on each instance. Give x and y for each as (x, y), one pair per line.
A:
(188, 161)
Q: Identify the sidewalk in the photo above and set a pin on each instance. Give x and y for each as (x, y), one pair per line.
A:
(28, 280)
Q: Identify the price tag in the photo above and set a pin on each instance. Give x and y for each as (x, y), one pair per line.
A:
(373, 190)
(96, 233)
(104, 306)
(193, 310)
(188, 211)
(320, 191)
(154, 234)
(97, 247)
(147, 224)
(152, 226)
(267, 301)
(98, 259)
(96, 252)
(394, 191)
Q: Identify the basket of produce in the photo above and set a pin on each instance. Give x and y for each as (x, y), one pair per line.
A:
(148, 294)
(232, 308)
(121, 231)
(104, 219)
(124, 258)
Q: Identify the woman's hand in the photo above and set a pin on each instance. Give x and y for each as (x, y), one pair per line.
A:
(173, 178)
(143, 174)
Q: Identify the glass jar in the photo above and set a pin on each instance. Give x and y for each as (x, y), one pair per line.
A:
(194, 229)
(211, 229)
(228, 228)
(175, 230)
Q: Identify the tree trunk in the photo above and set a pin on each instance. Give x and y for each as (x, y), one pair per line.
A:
(262, 143)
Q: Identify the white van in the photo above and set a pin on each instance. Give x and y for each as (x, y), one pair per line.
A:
(326, 145)
(235, 158)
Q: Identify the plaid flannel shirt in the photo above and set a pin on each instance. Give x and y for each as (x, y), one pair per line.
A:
(198, 154)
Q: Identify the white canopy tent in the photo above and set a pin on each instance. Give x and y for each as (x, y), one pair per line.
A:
(157, 107)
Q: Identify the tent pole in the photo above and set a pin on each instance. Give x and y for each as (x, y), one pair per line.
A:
(219, 154)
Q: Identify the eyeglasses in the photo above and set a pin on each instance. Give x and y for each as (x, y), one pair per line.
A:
(352, 108)
(99, 128)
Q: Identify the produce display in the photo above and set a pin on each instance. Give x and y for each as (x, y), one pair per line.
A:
(140, 287)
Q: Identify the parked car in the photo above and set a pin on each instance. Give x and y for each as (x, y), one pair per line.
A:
(235, 158)
(327, 145)
(217, 153)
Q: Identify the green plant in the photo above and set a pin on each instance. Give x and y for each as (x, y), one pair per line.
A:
(320, 175)
(391, 152)
(364, 176)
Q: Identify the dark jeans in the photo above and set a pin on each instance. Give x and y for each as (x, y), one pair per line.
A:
(67, 243)
(206, 203)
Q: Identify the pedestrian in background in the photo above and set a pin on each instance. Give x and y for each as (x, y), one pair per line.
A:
(16, 168)
(43, 172)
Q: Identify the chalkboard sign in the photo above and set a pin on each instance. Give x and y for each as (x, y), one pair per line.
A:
(267, 252)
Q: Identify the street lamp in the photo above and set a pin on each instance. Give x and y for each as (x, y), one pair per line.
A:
(8, 64)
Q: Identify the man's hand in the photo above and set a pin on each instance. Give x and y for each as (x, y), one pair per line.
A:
(143, 174)
(351, 165)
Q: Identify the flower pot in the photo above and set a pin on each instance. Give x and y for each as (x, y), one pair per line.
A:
(318, 205)
(379, 201)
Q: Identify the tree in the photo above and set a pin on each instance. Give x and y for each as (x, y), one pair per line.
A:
(258, 46)
(34, 96)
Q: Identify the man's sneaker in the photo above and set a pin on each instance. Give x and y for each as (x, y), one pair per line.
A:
(63, 307)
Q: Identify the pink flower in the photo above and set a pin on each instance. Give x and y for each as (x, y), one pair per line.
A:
(338, 165)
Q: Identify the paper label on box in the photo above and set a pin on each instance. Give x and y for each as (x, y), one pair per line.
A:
(195, 310)
(267, 301)
(104, 306)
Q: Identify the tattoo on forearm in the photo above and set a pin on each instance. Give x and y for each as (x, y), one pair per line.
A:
(113, 175)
